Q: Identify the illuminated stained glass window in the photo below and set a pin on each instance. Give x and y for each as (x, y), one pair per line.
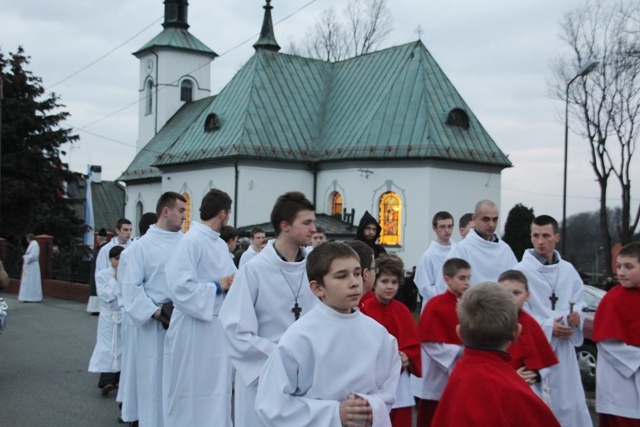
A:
(187, 213)
(336, 204)
(390, 219)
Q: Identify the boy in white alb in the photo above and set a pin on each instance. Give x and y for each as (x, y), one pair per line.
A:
(268, 295)
(313, 377)
(429, 267)
(616, 329)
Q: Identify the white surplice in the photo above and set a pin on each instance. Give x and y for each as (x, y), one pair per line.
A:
(618, 379)
(255, 314)
(487, 259)
(197, 370)
(144, 290)
(127, 388)
(102, 263)
(565, 386)
(31, 281)
(108, 348)
(319, 361)
(438, 360)
(247, 256)
(429, 268)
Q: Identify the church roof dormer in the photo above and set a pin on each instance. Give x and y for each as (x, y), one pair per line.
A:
(176, 33)
(267, 38)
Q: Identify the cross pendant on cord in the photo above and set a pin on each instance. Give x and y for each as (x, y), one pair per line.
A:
(296, 310)
(553, 298)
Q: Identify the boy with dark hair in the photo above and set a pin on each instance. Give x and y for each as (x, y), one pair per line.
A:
(484, 389)
(258, 237)
(367, 268)
(269, 294)
(230, 236)
(531, 353)
(465, 224)
(429, 267)
(311, 378)
(397, 319)
(441, 346)
(616, 331)
(106, 354)
(319, 237)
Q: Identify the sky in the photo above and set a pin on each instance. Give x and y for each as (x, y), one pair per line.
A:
(497, 53)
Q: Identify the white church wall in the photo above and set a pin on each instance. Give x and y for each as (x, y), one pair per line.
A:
(197, 183)
(258, 188)
(260, 185)
(141, 198)
(424, 190)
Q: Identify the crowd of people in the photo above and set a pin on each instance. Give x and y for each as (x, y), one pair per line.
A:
(310, 332)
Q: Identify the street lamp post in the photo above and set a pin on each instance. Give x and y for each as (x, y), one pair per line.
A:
(583, 71)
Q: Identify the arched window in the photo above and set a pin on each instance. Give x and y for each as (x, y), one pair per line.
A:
(390, 219)
(148, 93)
(186, 90)
(336, 205)
(139, 211)
(458, 117)
(187, 213)
(211, 123)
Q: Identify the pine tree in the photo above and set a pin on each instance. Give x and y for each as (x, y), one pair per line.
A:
(517, 229)
(33, 178)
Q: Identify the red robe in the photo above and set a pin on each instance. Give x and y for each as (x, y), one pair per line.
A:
(439, 320)
(532, 349)
(397, 318)
(484, 390)
(364, 299)
(617, 316)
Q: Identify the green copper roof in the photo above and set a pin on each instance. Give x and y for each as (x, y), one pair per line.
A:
(176, 38)
(391, 104)
(141, 167)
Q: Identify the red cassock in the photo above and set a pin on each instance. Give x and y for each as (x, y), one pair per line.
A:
(365, 298)
(439, 320)
(397, 318)
(485, 390)
(617, 316)
(532, 349)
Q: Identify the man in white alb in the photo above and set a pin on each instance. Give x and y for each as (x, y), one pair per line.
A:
(257, 241)
(196, 388)
(268, 295)
(429, 267)
(487, 254)
(555, 300)
(144, 291)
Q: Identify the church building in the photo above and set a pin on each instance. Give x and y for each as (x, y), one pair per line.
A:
(385, 132)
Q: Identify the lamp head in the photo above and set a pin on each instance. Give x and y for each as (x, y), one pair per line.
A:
(588, 67)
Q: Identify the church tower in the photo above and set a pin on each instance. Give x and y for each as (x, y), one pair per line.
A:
(175, 67)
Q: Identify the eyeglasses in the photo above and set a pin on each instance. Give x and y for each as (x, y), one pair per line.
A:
(376, 270)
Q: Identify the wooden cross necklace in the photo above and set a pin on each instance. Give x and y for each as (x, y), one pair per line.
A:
(296, 310)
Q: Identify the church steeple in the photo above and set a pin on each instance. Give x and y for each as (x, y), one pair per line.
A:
(267, 38)
(175, 14)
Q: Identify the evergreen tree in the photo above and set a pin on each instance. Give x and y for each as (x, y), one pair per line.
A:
(517, 229)
(33, 179)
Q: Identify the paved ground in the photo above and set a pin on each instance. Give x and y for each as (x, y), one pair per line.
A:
(44, 354)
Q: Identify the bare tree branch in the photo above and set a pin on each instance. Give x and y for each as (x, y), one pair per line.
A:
(605, 105)
(367, 25)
